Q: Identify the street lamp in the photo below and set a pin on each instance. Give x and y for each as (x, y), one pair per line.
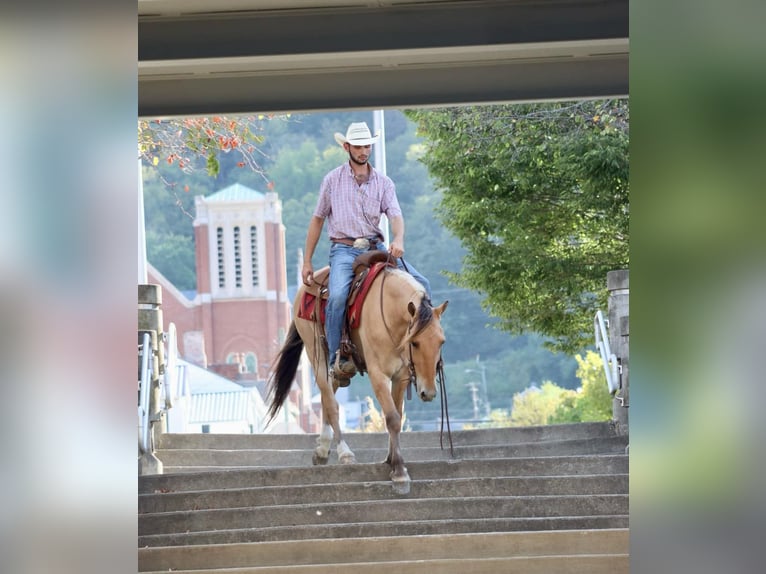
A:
(483, 373)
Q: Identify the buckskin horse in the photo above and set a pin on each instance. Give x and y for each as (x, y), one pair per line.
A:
(398, 340)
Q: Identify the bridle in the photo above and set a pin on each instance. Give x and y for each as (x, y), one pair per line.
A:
(441, 381)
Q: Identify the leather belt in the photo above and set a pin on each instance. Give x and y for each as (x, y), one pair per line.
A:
(362, 243)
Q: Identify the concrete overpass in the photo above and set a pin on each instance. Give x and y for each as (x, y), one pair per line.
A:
(241, 56)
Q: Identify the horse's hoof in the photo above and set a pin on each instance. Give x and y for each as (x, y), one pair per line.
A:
(401, 482)
(318, 460)
(347, 458)
(401, 486)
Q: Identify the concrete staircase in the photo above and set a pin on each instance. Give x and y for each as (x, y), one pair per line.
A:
(550, 499)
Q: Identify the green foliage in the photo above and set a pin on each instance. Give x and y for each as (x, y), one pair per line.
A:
(538, 196)
(535, 406)
(592, 401)
(552, 404)
(174, 254)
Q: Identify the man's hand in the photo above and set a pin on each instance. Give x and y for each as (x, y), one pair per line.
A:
(307, 273)
(396, 248)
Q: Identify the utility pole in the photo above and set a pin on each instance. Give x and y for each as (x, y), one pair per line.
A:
(475, 397)
(379, 152)
(483, 372)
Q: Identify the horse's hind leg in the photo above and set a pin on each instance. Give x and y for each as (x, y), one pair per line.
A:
(345, 454)
(330, 426)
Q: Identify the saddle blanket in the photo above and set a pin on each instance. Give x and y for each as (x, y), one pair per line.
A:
(308, 304)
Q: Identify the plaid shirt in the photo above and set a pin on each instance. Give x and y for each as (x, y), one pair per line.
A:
(354, 211)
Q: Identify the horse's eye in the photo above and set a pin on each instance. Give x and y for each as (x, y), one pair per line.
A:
(415, 344)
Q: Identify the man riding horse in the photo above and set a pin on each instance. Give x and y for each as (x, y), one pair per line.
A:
(352, 198)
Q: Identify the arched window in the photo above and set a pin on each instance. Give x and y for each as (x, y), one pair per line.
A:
(251, 363)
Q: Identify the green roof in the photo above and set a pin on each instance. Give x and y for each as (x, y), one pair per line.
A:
(236, 192)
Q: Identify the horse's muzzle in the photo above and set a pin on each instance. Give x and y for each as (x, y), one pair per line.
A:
(427, 395)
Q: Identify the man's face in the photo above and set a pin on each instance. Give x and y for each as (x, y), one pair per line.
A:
(359, 154)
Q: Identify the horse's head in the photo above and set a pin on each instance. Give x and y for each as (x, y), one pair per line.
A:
(423, 345)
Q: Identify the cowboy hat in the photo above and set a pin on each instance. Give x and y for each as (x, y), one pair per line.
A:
(357, 134)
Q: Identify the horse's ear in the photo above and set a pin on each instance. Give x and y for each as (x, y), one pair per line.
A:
(440, 309)
(411, 308)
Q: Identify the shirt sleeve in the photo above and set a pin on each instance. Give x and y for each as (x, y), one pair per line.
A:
(389, 202)
(324, 206)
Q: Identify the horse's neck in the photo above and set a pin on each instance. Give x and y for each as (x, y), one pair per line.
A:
(401, 292)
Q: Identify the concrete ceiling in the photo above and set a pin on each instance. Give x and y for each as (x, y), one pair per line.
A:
(246, 56)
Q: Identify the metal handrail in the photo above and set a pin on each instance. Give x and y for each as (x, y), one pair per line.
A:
(145, 384)
(609, 359)
(171, 368)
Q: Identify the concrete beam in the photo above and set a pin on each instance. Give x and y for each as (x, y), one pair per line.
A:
(383, 54)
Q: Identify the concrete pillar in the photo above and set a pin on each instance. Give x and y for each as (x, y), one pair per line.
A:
(618, 286)
(150, 320)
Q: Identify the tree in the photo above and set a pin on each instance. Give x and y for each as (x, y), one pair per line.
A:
(538, 196)
(174, 255)
(534, 406)
(592, 401)
(185, 142)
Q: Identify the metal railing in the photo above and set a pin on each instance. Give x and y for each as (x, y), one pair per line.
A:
(609, 359)
(145, 381)
(170, 381)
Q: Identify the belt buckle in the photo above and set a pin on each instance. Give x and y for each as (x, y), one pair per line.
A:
(362, 243)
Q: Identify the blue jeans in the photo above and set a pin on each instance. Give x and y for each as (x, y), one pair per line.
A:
(341, 276)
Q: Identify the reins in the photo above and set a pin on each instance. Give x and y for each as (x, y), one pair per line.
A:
(445, 410)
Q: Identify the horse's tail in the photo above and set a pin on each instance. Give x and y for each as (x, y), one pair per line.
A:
(287, 365)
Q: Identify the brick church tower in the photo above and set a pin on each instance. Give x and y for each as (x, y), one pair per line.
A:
(240, 312)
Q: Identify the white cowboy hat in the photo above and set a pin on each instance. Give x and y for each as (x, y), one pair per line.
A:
(357, 134)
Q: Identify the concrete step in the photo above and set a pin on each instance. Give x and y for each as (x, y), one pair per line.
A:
(381, 490)
(587, 564)
(431, 470)
(379, 529)
(398, 510)
(271, 458)
(497, 436)
(391, 549)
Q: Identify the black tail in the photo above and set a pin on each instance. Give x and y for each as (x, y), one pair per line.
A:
(287, 365)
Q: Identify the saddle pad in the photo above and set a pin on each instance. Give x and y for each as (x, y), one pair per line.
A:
(307, 309)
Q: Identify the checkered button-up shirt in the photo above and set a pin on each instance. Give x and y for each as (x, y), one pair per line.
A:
(352, 210)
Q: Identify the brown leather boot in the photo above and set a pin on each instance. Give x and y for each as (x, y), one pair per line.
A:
(343, 370)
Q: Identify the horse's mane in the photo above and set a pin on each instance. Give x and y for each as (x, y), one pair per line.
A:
(423, 317)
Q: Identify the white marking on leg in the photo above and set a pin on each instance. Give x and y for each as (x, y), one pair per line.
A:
(324, 440)
(345, 455)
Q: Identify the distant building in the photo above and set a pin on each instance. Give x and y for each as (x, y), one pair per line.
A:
(237, 319)
(241, 306)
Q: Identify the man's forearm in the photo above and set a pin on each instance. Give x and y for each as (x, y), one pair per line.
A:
(397, 227)
(312, 237)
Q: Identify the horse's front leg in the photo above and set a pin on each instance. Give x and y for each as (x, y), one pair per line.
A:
(391, 407)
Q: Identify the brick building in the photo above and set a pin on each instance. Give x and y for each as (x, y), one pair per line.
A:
(239, 315)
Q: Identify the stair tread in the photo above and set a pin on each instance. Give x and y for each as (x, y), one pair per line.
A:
(389, 528)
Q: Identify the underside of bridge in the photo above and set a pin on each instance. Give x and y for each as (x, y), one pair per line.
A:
(245, 56)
